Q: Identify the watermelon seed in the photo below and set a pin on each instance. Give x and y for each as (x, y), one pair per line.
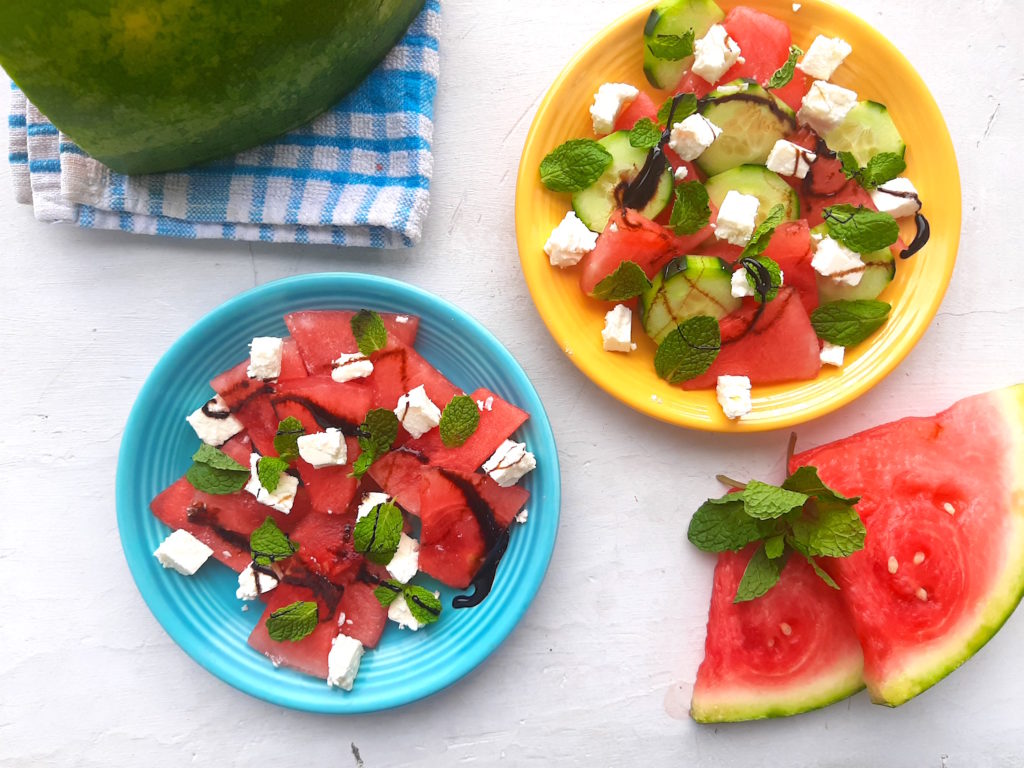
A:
(949, 508)
(785, 629)
(922, 594)
(894, 565)
(918, 558)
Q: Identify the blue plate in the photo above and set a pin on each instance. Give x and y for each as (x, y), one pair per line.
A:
(202, 614)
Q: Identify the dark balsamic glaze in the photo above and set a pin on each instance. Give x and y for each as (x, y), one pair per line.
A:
(638, 192)
(199, 514)
(240, 393)
(822, 151)
(924, 232)
(212, 414)
(323, 589)
(754, 98)
(321, 415)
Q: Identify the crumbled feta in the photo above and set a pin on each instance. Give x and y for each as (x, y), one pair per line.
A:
(522, 516)
(732, 88)
(618, 324)
(323, 449)
(252, 584)
(282, 497)
(183, 552)
(680, 173)
(213, 422)
(824, 57)
(485, 405)
(351, 366)
(797, 7)
(399, 613)
(417, 412)
(789, 159)
(343, 662)
(897, 197)
(403, 319)
(692, 136)
(825, 106)
(569, 242)
(406, 561)
(734, 396)
(370, 500)
(609, 101)
(832, 354)
(714, 54)
(736, 217)
(509, 463)
(833, 259)
(740, 285)
(265, 354)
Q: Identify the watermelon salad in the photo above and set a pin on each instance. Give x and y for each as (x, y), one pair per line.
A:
(895, 565)
(335, 465)
(744, 209)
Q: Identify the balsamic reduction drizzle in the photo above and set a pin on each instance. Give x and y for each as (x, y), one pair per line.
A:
(924, 232)
(323, 417)
(212, 414)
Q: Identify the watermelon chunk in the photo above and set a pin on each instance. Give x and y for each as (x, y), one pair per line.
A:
(322, 335)
(642, 106)
(790, 248)
(400, 369)
(764, 41)
(292, 364)
(328, 401)
(326, 547)
(364, 616)
(308, 655)
(235, 386)
(942, 499)
(792, 650)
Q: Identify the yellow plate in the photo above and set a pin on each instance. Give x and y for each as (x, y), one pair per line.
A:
(877, 71)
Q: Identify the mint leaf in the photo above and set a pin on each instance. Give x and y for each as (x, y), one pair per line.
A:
(424, 605)
(286, 441)
(627, 281)
(763, 232)
(829, 530)
(644, 134)
(848, 323)
(691, 211)
(861, 229)
(722, 525)
(784, 74)
(369, 330)
(269, 469)
(387, 591)
(686, 105)
(293, 622)
(217, 459)
(689, 350)
(768, 502)
(883, 167)
(761, 574)
(217, 482)
(672, 47)
(459, 420)
(574, 165)
(268, 543)
(814, 565)
(766, 282)
(775, 546)
(362, 463)
(805, 480)
(377, 434)
(851, 168)
(377, 534)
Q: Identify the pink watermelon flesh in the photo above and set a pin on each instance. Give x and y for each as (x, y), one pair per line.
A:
(789, 651)
(323, 335)
(326, 547)
(235, 386)
(292, 364)
(308, 655)
(968, 562)
(331, 489)
(326, 399)
(764, 41)
(364, 616)
(400, 369)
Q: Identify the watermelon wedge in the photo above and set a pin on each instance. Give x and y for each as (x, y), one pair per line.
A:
(790, 651)
(307, 655)
(322, 335)
(942, 499)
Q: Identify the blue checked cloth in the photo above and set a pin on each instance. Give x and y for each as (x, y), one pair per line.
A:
(357, 175)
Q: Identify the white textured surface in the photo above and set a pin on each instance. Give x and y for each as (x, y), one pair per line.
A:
(90, 679)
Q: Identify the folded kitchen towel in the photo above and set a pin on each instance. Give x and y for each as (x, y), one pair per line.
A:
(357, 175)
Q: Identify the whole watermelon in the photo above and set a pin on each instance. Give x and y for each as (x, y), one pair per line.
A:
(154, 85)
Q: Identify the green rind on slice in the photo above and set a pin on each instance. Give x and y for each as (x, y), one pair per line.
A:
(676, 17)
(686, 287)
(594, 205)
(751, 119)
(866, 131)
(879, 271)
(767, 186)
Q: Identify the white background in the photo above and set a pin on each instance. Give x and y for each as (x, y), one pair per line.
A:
(88, 678)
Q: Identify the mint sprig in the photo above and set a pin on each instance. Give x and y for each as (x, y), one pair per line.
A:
(424, 605)
(269, 470)
(761, 574)
(216, 473)
(685, 105)
(293, 622)
(848, 323)
(377, 533)
(387, 591)
(691, 211)
(762, 234)
(369, 330)
(644, 134)
(459, 421)
(672, 47)
(883, 167)
(628, 280)
(861, 229)
(268, 544)
(286, 441)
(784, 74)
(689, 350)
(376, 435)
(574, 165)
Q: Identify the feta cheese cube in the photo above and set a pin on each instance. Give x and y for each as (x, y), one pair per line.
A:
(825, 106)
(403, 319)
(569, 242)
(714, 54)
(509, 463)
(609, 101)
(680, 173)
(789, 159)
(265, 354)
(833, 259)
(417, 412)
(692, 136)
(832, 354)
(213, 423)
(897, 197)
(618, 323)
(351, 366)
(252, 584)
(324, 449)
(797, 7)
(824, 57)
(183, 552)
(399, 613)
(370, 500)
(734, 396)
(282, 497)
(406, 562)
(736, 217)
(740, 285)
(343, 662)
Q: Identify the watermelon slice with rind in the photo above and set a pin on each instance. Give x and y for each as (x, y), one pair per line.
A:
(942, 499)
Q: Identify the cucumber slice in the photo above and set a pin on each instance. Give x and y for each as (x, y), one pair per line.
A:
(880, 269)
(686, 287)
(866, 131)
(767, 186)
(752, 120)
(595, 203)
(676, 17)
